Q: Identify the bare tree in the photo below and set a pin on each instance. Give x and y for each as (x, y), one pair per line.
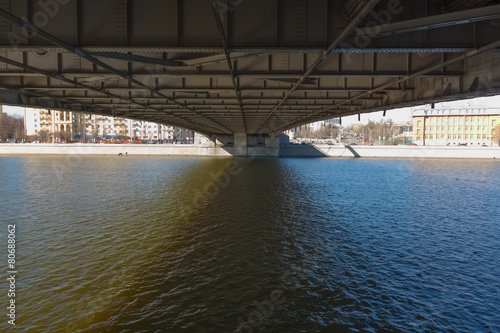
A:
(12, 127)
(44, 135)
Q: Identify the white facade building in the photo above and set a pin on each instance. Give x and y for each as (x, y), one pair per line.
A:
(69, 126)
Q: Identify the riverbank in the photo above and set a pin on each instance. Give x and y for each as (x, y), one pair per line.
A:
(459, 152)
(111, 149)
(284, 151)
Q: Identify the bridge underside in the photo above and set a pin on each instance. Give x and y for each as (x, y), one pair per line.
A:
(237, 67)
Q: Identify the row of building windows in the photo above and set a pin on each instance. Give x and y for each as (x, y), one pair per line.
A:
(460, 120)
(456, 137)
(456, 128)
(431, 129)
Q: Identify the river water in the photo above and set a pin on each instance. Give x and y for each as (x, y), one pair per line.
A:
(157, 244)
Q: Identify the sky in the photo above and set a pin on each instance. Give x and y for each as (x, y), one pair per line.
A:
(397, 115)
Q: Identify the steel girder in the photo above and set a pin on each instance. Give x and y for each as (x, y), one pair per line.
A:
(259, 66)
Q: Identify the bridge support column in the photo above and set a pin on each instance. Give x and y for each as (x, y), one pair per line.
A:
(256, 145)
(240, 144)
(273, 146)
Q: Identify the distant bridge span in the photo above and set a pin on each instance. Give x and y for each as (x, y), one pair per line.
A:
(241, 68)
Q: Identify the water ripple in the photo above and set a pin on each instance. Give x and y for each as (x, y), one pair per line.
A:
(287, 245)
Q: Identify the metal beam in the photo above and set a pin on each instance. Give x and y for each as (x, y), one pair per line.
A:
(30, 27)
(325, 53)
(202, 91)
(433, 22)
(282, 77)
(215, 59)
(396, 82)
(85, 108)
(250, 50)
(81, 85)
(222, 34)
(135, 58)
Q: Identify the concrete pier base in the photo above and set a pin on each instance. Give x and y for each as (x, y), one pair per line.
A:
(242, 144)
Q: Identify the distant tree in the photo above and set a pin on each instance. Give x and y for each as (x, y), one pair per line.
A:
(43, 135)
(12, 127)
(58, 135)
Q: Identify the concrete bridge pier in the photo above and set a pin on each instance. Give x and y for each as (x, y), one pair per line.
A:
(243, 144)
(240, 144)
(256, 145)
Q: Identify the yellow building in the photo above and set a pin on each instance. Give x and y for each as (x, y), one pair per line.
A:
(474, 127)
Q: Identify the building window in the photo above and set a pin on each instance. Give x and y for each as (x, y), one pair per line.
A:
(427, 136)
(466, 136)
(467, 120)
(466, 128)
(454, 136)
(460, 128)
(484, 136)
(494, 123)
(426, 128)
(460, 137)
(419, 123)
(419, 132)
(432, 128)
(449, 136)
(432, 137)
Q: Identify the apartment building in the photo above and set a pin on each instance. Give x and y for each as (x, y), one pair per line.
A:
(69, 126)
(474, 127)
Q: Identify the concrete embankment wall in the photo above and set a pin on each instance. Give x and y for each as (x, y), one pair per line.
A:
(409, 152)
(284, 151)
(110, 149)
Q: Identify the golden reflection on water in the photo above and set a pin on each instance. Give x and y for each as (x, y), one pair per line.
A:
(80, 278)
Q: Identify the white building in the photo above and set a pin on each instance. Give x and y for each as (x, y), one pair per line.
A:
(60, 125)
(69, 126)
